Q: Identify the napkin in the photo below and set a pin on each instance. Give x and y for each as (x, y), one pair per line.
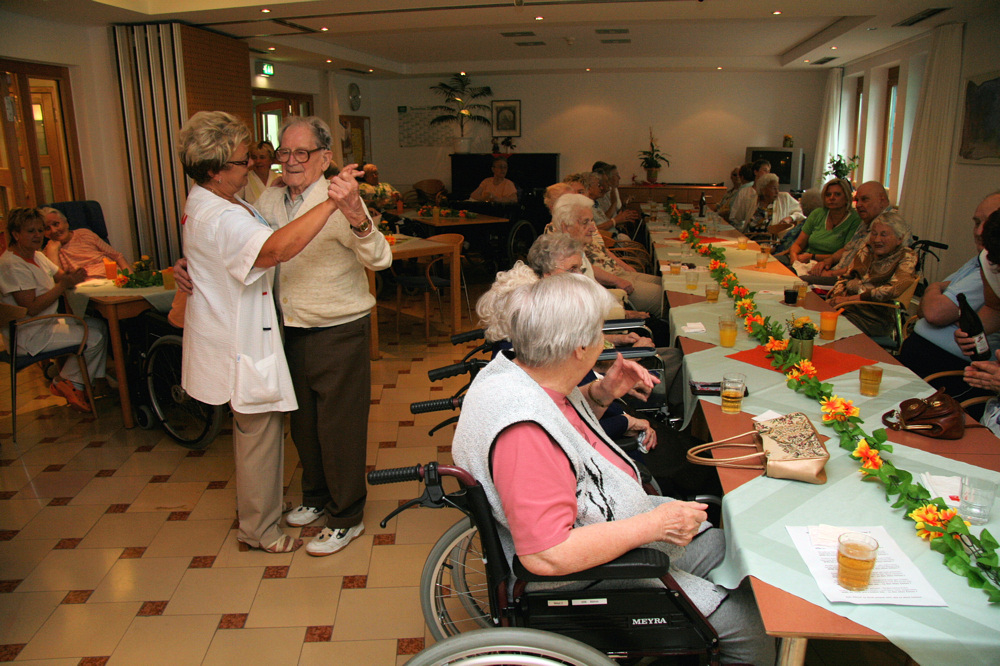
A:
(767, 416)
(694, 327)
(948, 488)
(825, 535)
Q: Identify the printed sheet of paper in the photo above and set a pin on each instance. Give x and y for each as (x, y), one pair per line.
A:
(895, 579)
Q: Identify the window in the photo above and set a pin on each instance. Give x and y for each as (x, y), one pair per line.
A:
(859, 102)
(889, 124)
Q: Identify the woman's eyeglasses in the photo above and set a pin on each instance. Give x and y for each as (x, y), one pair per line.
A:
(239, 162)
(301, 154)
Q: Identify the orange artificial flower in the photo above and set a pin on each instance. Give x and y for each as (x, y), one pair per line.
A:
(929, 514)
(838, 409)
(741, 291)
(751, 320)
(794, 374)
(684, 236)
(806, 367)
(776, 345)
(869, 457)
(705, 249)
(716, 264)
(121, 280)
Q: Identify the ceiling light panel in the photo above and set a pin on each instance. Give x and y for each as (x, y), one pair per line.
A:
(612, 31)
(616, 41)
(523, 33)
(530, 43)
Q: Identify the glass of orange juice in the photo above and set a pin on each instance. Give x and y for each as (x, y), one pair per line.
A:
(828, 325)
(741, 243)
(727, 331)
(110, 268)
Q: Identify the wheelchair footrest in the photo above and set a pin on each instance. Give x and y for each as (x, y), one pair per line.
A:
(615, 621)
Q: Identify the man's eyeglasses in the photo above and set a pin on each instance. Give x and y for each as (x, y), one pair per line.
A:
(301, 154)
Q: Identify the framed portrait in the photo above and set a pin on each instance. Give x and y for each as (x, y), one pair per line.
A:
(980, 142)
(506, 117)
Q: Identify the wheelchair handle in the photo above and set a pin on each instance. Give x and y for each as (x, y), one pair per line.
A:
(930, 243)
(456, 369)
(396, 475)
(628, 353)
(436, 405)
(467, 336)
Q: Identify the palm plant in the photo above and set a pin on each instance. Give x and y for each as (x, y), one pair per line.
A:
(458, 108)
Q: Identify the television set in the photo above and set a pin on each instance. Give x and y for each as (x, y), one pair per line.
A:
(786, 164)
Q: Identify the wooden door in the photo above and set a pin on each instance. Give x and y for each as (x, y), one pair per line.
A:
(51, 147)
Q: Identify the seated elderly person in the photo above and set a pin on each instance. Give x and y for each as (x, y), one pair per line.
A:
(71, 249)
(726, 202)
(574, 214)
(29, 280)
(496, 188)
(827, 229)
(261, 175)
(564, 496)
(881, 272)
(597, 188)
(743, 203)
(375, 193)
(773, 212)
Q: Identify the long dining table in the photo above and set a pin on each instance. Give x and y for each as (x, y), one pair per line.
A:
(757, 509)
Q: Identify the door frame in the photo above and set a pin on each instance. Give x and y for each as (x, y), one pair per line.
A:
(23, 71)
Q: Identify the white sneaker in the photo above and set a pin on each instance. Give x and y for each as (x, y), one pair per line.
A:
(303, 515)
(330, 541)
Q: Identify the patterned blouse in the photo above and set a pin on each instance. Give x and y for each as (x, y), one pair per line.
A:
(878, 278)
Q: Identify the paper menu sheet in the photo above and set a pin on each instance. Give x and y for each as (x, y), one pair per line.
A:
(895, 580)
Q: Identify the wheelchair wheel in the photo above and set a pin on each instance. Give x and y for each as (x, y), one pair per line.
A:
(191, 423)
(454, 594)
(514, 646)
(519, 241)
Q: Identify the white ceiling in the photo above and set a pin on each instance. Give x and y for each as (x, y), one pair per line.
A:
(397, 38)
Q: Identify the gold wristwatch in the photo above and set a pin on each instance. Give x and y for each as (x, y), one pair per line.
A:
(364, 228)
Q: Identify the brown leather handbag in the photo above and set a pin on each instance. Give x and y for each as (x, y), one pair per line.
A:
(938, 416)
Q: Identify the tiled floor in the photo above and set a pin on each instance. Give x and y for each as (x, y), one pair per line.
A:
(118, 546)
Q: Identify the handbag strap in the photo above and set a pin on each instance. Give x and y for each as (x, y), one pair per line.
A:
(733, 462)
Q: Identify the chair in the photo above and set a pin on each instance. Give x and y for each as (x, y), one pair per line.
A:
(425, 192)
(892, 342)
(84, 214)
(428, 282)
(965, 404)
(11, 317)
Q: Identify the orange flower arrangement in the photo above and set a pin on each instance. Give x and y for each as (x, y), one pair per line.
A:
(929, 514)
(741, 291)
(683, 236)
(715, 264)
(121, 280)
(752, 319)
(836, 408)
(868, 456)
(776, 345)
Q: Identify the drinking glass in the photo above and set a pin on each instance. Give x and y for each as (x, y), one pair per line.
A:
(977, 499)
(803, 290)
(733, 385)
(675, 268)
(691, 280)
(741, 243)
(712, 291)
(762, 260)
(791, 295)
(110, 268)
(871, 378)
(727, 331)
(856, 554)
(765, 247)
(168, 279)
(828, 325)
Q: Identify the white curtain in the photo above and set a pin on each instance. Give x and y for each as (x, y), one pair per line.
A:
(828, 138)
(925, 187)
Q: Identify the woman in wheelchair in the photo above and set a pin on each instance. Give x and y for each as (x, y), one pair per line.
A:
(564, 496)
(29, 280)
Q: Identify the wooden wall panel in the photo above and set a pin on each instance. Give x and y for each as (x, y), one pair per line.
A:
(216, 73)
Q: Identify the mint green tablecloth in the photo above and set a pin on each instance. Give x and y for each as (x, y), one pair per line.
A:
(967, 631)
(80, 296)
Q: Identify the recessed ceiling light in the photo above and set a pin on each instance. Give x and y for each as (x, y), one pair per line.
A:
(370, 70)
(776, 12)
(805, 61)
(328, 60)
(539, 18)
(462, 73)
(870, 29)
(265, 11)
(718, 68)
(833, 48)
(588, 69)
(270, 48)
(323, 29)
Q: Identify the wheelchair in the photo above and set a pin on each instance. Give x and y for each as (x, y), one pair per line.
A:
(154, 350)
(464, 587)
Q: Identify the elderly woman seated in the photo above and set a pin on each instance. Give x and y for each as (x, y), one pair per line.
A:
(827, 229)
(71, 249)
(774, 212)
(564, 496)
(882, 271)
(574, 214)
(497, 188)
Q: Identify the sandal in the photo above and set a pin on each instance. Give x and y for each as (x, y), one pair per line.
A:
(284, 544)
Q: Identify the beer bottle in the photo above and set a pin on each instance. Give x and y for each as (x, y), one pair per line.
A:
(970, 323)
(702, 205)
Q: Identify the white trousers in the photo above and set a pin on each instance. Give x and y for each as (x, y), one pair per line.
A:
(68, 332)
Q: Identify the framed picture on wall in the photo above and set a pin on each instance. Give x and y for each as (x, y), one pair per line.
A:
(506, 117)
(980, 142)
(356, 145)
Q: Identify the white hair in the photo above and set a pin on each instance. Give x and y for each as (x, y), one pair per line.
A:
(564, 212)
(48, 210)
(767, 179)
(554, 316)
(549, 250)
(492, 306)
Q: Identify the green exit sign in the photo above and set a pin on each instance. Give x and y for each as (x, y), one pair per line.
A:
(265, 68)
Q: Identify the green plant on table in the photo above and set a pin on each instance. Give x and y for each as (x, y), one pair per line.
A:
(841, 166)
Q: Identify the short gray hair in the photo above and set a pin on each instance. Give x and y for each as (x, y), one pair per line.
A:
(895, 222)
(492, 306)
(554, 316)
(550, 249)
(48, 210)
(767, 179)
(321, 131)
(565, 208)
(207, 141)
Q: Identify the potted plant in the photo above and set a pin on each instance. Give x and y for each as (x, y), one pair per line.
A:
(841, 166)
(651, 160)
(459, 106)
(801, 336)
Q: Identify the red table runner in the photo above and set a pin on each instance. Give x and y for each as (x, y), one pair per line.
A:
(828, 362)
